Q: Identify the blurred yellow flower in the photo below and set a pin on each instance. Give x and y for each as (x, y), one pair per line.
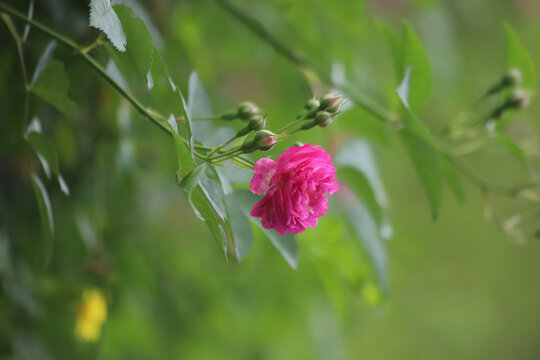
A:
(91, 315)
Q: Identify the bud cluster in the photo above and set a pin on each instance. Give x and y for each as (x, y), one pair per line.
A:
(322, 111)
(517, 99)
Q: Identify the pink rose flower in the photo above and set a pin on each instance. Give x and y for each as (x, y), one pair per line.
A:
(294, 188)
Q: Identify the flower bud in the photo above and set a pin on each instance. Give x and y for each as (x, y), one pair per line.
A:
(247, 110)
(329, 101)
(298, 144)
(257, 123)
(312, 104)
(265, 140)
(519, 99)
(323, 118)
(229, 115)
(512, 78)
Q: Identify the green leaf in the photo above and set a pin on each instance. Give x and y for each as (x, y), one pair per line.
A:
(365, 229)
(191, 180)
(239, 204)
(52, 86)
(212, 188)
(185, 161)
(46, 152)
(395, 45)
(513, 148)
(46, 215)
(285, 244)
(415, 59)
(452, 178)
(103, 17)
(426, 161)
(140, 47)
(359, 184)
(199, 106)
(43, 61)
(517, 57)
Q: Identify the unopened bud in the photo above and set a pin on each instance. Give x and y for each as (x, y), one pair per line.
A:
(265, 140)
(298, 144)
(323, 118)
(519, 99)
(229, 115)
(328, 101)
(312, 104)
(257, 123)
(247, 110)
(512, 78)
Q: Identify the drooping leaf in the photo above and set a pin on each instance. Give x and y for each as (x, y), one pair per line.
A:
(46, 216)
(43, 61)
(46, 152)
(140, 47)
(203, 210)
(199, 106)
(359, 184)
(452, 178)
(238, 207)
(517, 57)
(415, 59)
(513, 148)
(103, 17)
(52, 86)
(212, 188)
(365, 228)
(185, 161)
(30, 16)
(422, 153)
(426, 161)
(285, 244)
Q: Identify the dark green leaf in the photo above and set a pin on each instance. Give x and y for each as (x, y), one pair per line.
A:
(52, 86)
(43, 61)
(140, 47)
(212, 188)
(103, 17)
(517, 57)
(46, 215)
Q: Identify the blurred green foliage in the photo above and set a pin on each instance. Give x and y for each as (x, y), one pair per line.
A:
(457, 288)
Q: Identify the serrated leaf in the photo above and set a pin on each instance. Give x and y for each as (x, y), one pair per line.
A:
(285, 244)
(103, 17)
(185, 161)
(140, 47)
(185, 126)
(52, 86)
(203, 210)
(238, 207)
(199, 106)
(46, 216)
(517, 57)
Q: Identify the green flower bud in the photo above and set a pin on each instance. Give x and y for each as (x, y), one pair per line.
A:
(323, 118)
(312, 104)
(257, 123)
(229, 115)
(247, 110)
